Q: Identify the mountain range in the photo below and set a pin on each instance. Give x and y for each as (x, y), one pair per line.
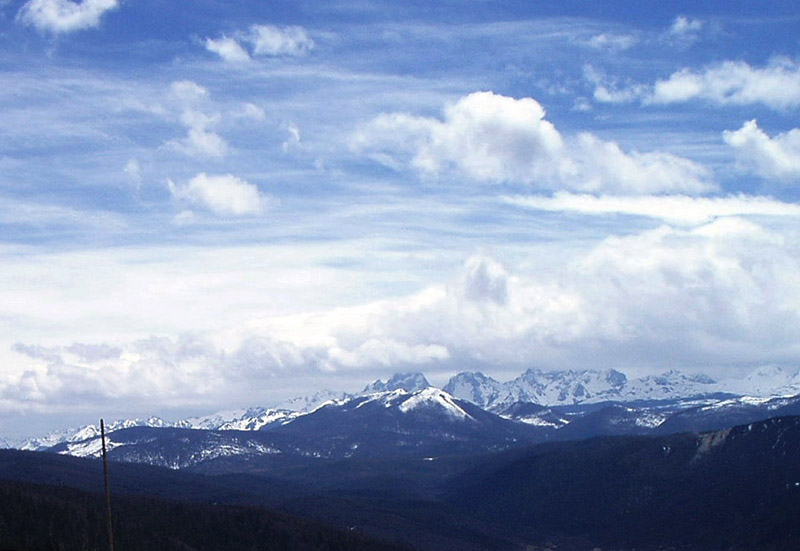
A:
(404, 416)
(570, 460)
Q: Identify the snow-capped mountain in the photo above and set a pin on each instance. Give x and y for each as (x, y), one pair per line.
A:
(475, 387)
(547, 388)
(668, 386)
(765, 381)
(304, 404)
(243, 419)
(410, 382)
(555, 388)
(395, 423)
(88, 432)
(575, 403)
(171, 447)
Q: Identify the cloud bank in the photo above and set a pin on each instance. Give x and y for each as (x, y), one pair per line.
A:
(723, 293)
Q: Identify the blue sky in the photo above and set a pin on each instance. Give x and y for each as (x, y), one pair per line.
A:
(218, 204)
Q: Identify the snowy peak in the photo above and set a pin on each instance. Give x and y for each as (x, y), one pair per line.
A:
(538, 387)
(474, 387)
(243, 419)
(311, 402)
(670, 385)
(410, 382)
(88, 432)
(569, 387)
(434, 399)
(769, 380)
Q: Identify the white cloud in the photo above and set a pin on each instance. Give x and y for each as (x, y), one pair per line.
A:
(188, 91)
(675, 209)
(252, 111)
(608, 90)
(228, 49)
(491, 138)
(222, 194)
(293, 141)
(485, 279)
(271, 40)
(777, 157)
(777, 85)
(263, 40)
(65, 16)
(685, 31)
(133, 171)
(200, 140)
(604, 166)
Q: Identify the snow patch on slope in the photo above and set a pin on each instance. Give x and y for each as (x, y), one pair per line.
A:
(434, 398)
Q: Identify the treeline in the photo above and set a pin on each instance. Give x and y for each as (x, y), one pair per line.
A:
(45, 518)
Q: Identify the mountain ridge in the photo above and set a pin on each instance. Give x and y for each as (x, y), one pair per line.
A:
(514, 399)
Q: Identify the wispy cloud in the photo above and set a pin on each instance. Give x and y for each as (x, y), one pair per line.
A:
(613, 42)
(675, 209)
(200, 140)
(65, 16)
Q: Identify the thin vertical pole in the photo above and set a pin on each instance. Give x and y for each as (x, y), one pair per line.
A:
(108, 488)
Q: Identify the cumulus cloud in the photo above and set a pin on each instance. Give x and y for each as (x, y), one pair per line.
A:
(492, 138)
(485, 279)
(65, 16)
(605, 166)
(720, 293)
(777, 157)
(777, 85)
(222, 194)
(675, 209)
(228, 49)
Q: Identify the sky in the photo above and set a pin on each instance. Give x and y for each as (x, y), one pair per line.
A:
(207, 205)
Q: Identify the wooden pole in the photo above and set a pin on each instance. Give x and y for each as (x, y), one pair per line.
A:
(108, 488)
